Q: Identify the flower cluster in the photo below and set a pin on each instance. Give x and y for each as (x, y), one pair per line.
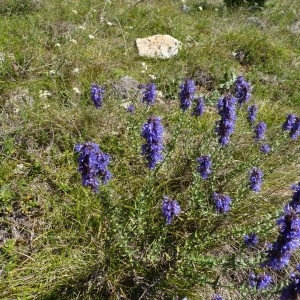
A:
(222, 202)
(279, 253)
(265, 148)
(187, 94)
(149, 93)
(225, 126)
(152, 131)
(252, 113)
(292, 291)
(92, 165)
(259, 131)
(292, 124)
(199, 108)
(295, 203)
(97, 94)
(251, 240)
(204, 166)
(170, 209)
(255, 179)
(242, 90)
(260, 281)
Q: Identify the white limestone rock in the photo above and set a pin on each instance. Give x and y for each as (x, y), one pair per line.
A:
(160, 46)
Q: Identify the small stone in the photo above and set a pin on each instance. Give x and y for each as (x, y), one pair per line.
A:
(295, 28)
(127, 88)
(160, 46)
(257, 22)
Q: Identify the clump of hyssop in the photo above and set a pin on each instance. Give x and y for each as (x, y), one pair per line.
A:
(92, 165)
(252, 113)
(222, 202)
(187, 94)
(199, 108)
(251, 240)
(149, 93)
(260, 282)
(242, 90)
(225, 126)
(152, 131)
(279, 253)
(255, 179)
(292, 291)
(260, 130)
(204, 166)
(97, 93)
(170, 209)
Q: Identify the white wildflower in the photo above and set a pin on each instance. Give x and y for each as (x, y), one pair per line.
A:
(75, 11)
(73, 41)
(91, 36)
(75, 71)
(153, 77)
(44, 94)
(76, 90)
(109, 23)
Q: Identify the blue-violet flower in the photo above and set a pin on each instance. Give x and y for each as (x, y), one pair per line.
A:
(149, 93)
(260, 281)
(222, 202)
(92, 165)
(252, 113)
(255, 179)
(204, 166)
(260, 130)
(242, 90)
(152, 131)
(187, 94)
(97, 94)
(199, 108)
(170, 209)
(251, 240)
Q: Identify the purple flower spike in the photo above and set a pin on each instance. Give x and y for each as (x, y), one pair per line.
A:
(204, 166)
(222, 202)
(187, 94)
(292, 291)
(97, 95)
(242, 90)
(289, 122)
(149, 93)
(153, 133)
(251, 240)
(92, 165)
(260, 282)
(279, 253)
(259, 131)
(199, 109)
(170, 209)
(255, 179)
(252, 113)
(265, 148)
(295, 203)
(225, 126)
(292, 124)
(295, 131)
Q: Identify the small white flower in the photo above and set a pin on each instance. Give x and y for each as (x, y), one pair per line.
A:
(57, 45)
(144, 65)
(19, 169)
(81, 27)
(94, 10)
(91, 36)
(75, 71)
(109, 23)
(73, 41)
(52, 72)
(44, 94)
(153, 77)
(76, 90)
(143, 71)
(200, 8)
(75, 11)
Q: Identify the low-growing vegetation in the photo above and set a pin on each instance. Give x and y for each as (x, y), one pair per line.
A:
(123, 177)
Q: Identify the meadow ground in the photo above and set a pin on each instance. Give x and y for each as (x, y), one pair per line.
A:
(59, 239)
